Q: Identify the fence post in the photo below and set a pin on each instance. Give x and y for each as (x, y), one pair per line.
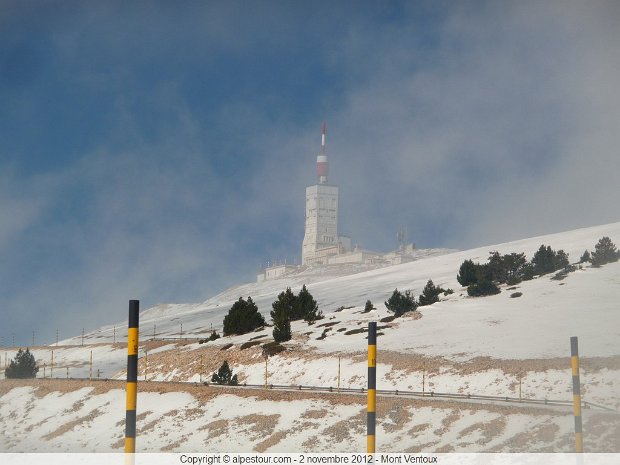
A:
(132, 376)
(574, 353)
(338, 374)
(372, 387)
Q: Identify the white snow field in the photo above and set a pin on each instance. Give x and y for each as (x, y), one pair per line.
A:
(497, 346)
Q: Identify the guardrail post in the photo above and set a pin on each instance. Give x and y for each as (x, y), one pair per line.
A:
(132, 376)
(574, 352)
(372, 386)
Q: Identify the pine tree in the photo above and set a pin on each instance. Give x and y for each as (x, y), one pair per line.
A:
(224, 376)
(243, 317)
(368, 307)
(560, 261)
(528, 271)
(585, 257)
(305, 307)
(514, 265)
(400, 303)
(22, 366)
(430, 294)
(467, 273)
(604, 252)
(496, 267)
(281, 316)
(482, 288)
(544, 260)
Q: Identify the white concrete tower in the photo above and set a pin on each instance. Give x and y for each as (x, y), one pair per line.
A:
(321, 232)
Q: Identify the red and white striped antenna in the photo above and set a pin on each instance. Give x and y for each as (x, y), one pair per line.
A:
(321, 159)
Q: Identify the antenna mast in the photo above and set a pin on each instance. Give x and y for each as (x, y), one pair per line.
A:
(321, 160)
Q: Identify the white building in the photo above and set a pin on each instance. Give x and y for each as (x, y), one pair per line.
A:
(321, 244)
(321, 239)
(321, 230)
(275, 272)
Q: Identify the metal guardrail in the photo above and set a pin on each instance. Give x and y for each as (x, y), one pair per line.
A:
(381, 392)
(431, 394)
(602, 407)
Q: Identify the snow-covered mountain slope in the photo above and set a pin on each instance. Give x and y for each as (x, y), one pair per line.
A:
(504, 345)
(537, 324)
(50, 416)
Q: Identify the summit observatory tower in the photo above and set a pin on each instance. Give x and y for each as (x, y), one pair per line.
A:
(321, 232)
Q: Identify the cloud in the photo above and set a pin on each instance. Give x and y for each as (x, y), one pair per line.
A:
(468, 125)
(161, 221)
(492, 134)
(17, 212)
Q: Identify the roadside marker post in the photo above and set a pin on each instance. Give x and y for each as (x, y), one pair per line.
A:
(574, 358)
(132, 377)
(372, 386)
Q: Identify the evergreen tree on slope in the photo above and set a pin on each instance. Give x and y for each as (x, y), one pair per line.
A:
(22, 366)
(604, 252)
(225, 376)
(243, 317)
(281, 315)
(430, 294)
(306, 307)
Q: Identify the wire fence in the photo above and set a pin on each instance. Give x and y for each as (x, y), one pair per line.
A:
(63, 371)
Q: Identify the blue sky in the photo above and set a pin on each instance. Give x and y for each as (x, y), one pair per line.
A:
(160, 150)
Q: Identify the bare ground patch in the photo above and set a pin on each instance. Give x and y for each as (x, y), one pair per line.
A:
(270, 441)
(258, 426)
(345, 429)
(397, 416)
(216, 428)
(72, 424)
(539, 439)
(488, 430)
(314, 414)
(454, 415)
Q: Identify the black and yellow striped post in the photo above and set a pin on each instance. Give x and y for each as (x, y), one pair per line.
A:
(132, 376)
(372, 386)
(574, 358)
